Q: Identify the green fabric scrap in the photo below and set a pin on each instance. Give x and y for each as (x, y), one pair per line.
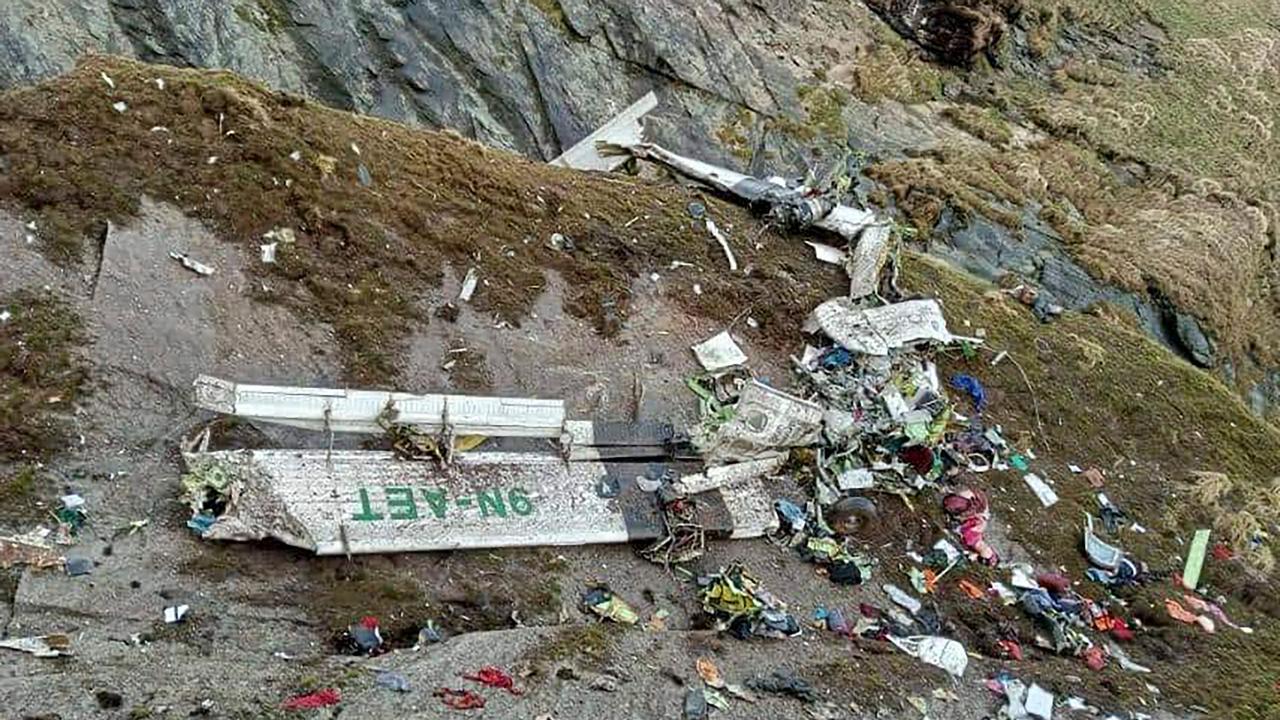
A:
(614, 608)
(205, 479)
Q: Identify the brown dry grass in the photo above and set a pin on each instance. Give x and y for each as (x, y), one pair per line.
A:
(41, 374)
(220, 148)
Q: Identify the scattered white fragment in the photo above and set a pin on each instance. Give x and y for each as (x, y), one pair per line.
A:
(827, 254)
(1039, 703)
(175, 613)
(72, 502)
(1122, 657)
(1100, 553)
(902, 597)
(355, 148)
(866, 260)
(159, 83)
(41, 646)
(281, 234)
(697, 288)
(1075, 469)
(1006, 595)
(724, 244)
(950, 551)
(856, 479)
(107, 79)
(937, 651)
(469, 284)
(119, 106)
(1043, 492)
(1022, 576)
(268, 253)
(159, 129)
(5, 315)
(193, 265)
(296, 156)
(213, 160)
(876, 331)
(719, 353)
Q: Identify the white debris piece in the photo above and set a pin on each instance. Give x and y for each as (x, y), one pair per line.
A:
(268, 253)
(855, 479)
(1122, 657)
(623, 129)
(107, 79)
(340, 502)
(827, 254)
(1015, 693)
(359, 411)
(469, 284)
(765, 422)
(948, 550)
(120, 106)
(1043, 492)
(902, 597)
(5, 315)
(192, 264)
(937, 651)
(1039, 703)
(159, 83)
(720, 352)
(41, 646)
(846, 221)
(866, 260)
(1102, 554)
(876, 331)
(724, 244)
(176, 613)
(72, 501)
(715, 478)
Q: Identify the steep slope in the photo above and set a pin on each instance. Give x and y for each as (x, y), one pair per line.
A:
(204, 163)
(1067, 143)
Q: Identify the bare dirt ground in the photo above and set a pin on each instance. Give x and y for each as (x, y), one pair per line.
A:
(156, 325)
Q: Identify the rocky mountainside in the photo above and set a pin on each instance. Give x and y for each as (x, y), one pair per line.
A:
(1061, 142)
(108, 170)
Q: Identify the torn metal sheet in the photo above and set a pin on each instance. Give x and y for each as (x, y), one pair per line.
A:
(623, 129)
(866, 260)
(798, 207)
(765, 422)
(1102, 554)
(20, 551)
(720, 352)
(364, 411)
(846, 221)
(827, 254)
(192, 264)
(1040, 487)
(876, 331)
(42, 646)
(724, 476)
(356, 502)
